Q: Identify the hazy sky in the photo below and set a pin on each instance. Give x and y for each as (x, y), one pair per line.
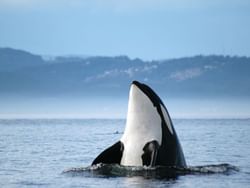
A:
(148, 29)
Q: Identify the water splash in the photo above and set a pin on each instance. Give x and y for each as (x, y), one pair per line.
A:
(158, 172)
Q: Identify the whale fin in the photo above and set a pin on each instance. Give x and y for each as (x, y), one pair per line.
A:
(111, 155)
(150, 153)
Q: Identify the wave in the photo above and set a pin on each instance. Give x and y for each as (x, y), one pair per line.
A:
(158, 172)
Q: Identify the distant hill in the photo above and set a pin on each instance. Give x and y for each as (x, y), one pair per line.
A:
(11, 59)
(26, 74)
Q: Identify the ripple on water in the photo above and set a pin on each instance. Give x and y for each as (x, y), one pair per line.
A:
(30, 183)
(158, 172)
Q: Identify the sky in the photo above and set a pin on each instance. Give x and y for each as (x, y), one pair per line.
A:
(147, 29)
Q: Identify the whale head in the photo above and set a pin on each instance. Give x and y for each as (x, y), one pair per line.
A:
(143, 124)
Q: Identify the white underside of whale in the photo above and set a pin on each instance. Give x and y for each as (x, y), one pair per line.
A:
(143, 125)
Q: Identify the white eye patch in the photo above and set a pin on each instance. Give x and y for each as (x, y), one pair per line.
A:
(167, 119)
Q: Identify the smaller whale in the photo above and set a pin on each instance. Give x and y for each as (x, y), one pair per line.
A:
(149, 138)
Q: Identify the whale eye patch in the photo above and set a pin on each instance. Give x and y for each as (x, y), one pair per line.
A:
(167, 119)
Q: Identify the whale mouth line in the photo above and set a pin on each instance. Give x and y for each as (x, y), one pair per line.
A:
(156, 172)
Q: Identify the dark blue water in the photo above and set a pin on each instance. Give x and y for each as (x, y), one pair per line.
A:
(35, 153)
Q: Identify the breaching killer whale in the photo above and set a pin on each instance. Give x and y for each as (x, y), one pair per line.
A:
(149, 138)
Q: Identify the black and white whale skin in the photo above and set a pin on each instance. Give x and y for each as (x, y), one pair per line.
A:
(149, 138)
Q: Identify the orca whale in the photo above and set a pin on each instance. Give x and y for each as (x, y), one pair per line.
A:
(149, 138)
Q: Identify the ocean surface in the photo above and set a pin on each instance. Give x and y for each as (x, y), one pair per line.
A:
(58, 152)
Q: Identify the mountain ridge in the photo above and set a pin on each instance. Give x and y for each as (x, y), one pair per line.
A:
(25, 74)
